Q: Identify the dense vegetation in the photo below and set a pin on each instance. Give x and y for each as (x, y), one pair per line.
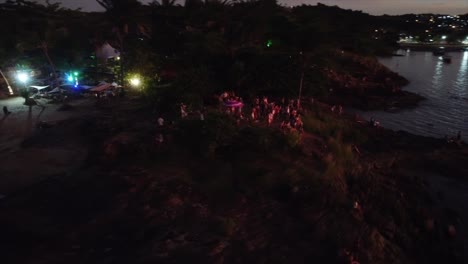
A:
(251, 47)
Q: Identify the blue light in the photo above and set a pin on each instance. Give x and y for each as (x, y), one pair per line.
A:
(70, 78)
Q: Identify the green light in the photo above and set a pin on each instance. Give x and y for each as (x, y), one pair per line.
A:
(75, 73)
(269, 43)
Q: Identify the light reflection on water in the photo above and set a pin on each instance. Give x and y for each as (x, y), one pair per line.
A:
(461, 77)
(444, 85)
(437, 74)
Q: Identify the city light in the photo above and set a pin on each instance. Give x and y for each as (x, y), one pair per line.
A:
(444, 37)
(465, 41)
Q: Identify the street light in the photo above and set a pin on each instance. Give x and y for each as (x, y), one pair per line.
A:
(22, 77)
(135, 81)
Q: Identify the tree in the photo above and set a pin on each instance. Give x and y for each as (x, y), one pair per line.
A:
(123, 14)
(163, 3)
(193, 3)
(119, 6)
(38, 26)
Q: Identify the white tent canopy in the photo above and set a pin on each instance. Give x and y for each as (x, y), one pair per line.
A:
(106, 51)
(55, 90)
(39, 87)
(86, 87)
(101, 87)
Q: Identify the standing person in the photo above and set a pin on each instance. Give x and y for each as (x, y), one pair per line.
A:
(183, 111)
(5, 111)
(372, 121)
(160, 122)
(202, 115)
(159, 139)
(254, 114)
(299, 124)
(270, 118)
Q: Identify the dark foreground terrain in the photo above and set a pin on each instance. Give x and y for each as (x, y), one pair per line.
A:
(215, 192)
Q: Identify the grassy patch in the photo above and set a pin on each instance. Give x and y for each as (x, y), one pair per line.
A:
(326, 125)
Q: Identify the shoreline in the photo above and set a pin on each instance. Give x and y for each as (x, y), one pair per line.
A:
(366, 84)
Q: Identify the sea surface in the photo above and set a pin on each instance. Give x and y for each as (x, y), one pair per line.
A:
(445, 87)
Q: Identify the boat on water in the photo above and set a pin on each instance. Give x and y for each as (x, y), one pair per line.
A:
(447, 59)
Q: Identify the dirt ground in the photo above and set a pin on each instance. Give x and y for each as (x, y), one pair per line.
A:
(91, 188)
(23, 163)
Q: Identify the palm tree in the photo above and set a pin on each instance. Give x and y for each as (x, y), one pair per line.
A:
(193, 3)
(122, 6)
(218, 2)
(41, 28)
(123, 15)
(163, 3)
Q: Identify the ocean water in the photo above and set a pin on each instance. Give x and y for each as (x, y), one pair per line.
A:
(445, 87)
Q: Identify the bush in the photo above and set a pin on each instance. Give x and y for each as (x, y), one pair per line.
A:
(293, 139)
(343, 153)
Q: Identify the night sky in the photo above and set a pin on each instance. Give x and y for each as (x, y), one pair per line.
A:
(376, 7)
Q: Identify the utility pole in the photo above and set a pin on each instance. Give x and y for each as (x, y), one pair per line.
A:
(121, 38)
(121, 68)
(301, 82)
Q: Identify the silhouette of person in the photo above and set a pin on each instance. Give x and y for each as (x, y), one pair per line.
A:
(5, 111)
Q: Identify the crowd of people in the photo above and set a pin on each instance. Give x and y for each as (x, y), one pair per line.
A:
(264, 110)
(285, 114)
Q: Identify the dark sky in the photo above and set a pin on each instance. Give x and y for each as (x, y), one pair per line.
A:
(371, 6)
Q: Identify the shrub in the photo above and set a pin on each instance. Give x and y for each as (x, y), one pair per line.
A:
(343, 153)
(293, 139)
